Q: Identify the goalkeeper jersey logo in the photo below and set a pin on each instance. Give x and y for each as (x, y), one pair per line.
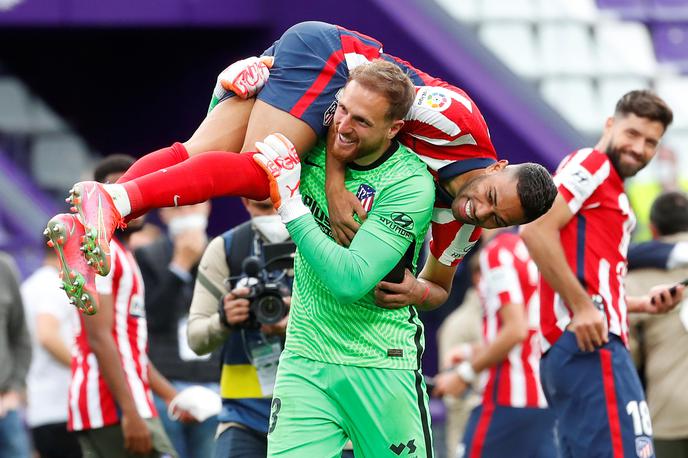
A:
(366, 194)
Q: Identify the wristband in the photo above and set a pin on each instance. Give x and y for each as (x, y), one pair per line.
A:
(425, 295)
(466, 372)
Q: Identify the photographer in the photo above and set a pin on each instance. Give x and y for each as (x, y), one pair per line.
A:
(250, 350)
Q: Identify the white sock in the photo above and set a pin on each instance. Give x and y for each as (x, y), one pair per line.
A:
(119, 197)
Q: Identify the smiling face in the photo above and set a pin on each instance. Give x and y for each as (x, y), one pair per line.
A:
(490, 200)
(361, 130)
(631, 142)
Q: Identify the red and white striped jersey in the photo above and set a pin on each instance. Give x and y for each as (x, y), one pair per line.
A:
(595, 241)
(448, 132)
(91, 404)
(509, 276)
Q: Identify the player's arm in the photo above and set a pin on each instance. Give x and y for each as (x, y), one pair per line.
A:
(660, 299)
(166, 391)
(376, 249)
(428, 291)
(514, 330)
(160, 385)
(205, 330)
(98, 327)
(544, 244)
(341, 204)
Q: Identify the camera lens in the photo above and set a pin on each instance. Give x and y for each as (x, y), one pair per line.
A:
(269, 309)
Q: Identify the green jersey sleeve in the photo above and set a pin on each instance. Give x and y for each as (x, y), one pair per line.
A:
(403, 215)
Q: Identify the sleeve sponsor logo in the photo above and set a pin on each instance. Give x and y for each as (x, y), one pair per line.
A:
(136, 306)
(318, 214)
(402, 220)
(578, 181)
(400, 223)
(433, 98)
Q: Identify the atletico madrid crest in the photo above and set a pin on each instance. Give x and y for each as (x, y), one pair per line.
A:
(366, 194)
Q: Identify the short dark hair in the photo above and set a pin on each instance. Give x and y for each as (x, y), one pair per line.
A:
(535, 189)
(390, 81)
(115, 163)
(645, 104)
(669, 213)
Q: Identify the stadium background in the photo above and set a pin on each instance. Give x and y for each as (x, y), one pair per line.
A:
(80, 79)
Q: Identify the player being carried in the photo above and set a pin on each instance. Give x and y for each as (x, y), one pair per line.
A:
(309, 64)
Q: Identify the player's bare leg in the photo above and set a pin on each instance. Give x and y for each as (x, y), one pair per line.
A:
(223, 129)
(266, 119)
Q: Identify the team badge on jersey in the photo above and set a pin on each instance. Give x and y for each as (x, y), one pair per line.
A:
(433, 98)
(137, 307)
(328, 116)
(643, 447)
(366, 194)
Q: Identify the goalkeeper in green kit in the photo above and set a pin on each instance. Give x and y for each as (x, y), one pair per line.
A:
(351, 369)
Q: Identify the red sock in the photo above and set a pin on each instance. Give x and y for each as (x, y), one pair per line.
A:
(197, 179)
(151, 162)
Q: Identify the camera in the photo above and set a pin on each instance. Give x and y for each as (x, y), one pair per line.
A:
(268, 283)
(265, 294)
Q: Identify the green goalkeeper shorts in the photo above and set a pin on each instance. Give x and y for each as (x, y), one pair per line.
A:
(317, 406)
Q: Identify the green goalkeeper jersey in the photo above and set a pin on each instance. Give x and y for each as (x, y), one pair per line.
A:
(333, 317)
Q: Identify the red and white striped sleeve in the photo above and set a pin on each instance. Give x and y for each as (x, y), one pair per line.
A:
(500, 276)
(580, 174)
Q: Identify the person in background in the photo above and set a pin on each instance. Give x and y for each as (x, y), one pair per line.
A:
(50, 320)
(168, 267)
(15, 357)
(580, 248)
(218, 319)
(111, 393)
(510, 353)
(662, 340)
(462, 328)
(664, 175)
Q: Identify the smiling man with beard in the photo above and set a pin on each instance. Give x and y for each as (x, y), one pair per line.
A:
(580, 247)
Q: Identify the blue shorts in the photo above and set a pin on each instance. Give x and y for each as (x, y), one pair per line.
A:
(598, 400)
(310, 68)
(497, 431)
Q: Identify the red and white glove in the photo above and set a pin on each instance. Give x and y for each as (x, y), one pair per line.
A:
(281, 163)
(245, 77)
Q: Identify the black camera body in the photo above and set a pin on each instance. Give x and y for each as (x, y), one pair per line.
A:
(267, 305)
(269, 283)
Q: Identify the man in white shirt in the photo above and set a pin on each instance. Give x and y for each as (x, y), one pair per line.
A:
(49, 318)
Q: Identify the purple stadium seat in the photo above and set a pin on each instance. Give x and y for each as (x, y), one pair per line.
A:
(669, 10)
(671, 43)
(628, 9)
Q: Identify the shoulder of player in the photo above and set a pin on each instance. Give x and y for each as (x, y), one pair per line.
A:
(406, 161)
(408, 169)
(588, 158)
